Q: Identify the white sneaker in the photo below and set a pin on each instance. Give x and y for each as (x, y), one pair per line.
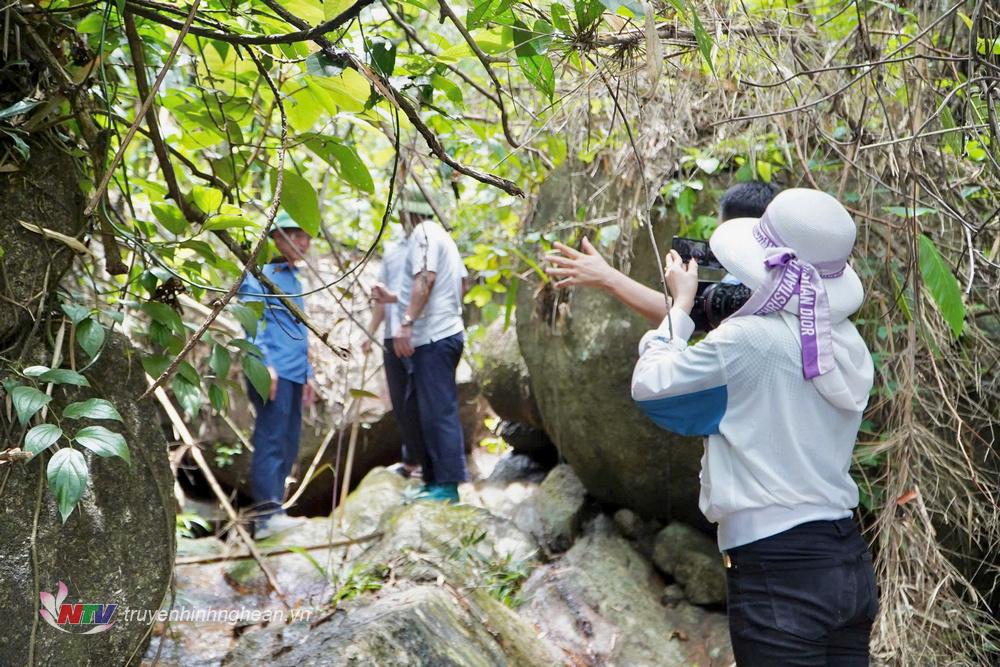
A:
(278, 523)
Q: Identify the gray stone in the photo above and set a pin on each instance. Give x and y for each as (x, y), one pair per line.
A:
(503, 376)
(552, 514)
(514, 467)
(693, 560)
(410, 627)
(672, 594)
(117, 547)
(600, 604)
(580, 346)
(427, 540)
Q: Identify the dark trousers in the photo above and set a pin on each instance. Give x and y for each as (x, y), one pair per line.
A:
(275, 443)
(805, 597)
(398, 371)
(429, 416)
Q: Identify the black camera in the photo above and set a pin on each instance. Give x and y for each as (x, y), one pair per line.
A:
(715, 302)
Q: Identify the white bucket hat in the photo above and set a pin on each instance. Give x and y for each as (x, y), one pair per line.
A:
(794, 258)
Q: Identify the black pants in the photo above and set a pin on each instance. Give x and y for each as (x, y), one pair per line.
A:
(398, 372)
(428, 414)
(804, 598)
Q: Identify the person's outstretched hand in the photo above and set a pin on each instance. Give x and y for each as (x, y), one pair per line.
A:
(682, 280)
(573, 267)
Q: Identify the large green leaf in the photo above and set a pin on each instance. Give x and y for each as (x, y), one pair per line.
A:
(942, 285)
(64, 376)
(90, 336)
(258, 375)
(27, 401)
(345, 160)
(219, 361)
(539, 71)
(92, 408)
(67, 475)
(41, 437)
(103, 442)
(298, 197)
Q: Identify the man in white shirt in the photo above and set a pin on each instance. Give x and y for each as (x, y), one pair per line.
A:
(430, 334)
(385, 308)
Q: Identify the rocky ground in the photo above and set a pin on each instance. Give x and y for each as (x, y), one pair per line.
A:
(526, 571)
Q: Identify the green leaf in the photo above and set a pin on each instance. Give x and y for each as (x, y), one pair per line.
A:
(219, 361)
(258, 375)
(486, 11)
(587, 12)
(345, 160)
(165, 315)
(218, 397)
(92, 408)
(383, 55)
(170, 217)
(320, 64)
(942, 285)
(538, 70)
(64, 376)
(18, 108)
(41, 437)
(67, 475)
(103, 442)
(90, 336)
(246, 316)
(34, 371)
(298, 197)
(207, 199)
(952, 140)
(75, 313)
(560, 17)
(701, 36)
(188, 395)
(155, 364)
(27, 401)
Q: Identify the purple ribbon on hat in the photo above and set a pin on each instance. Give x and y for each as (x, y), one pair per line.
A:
(788, 276)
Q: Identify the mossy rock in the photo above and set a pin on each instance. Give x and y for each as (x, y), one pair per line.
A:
(117, 547)
(580, 346)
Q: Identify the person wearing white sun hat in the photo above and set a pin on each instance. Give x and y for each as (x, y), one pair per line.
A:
(778, 389)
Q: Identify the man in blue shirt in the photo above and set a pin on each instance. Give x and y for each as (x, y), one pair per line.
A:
(284, 342)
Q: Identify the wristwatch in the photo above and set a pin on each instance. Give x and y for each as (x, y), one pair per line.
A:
(407, 321)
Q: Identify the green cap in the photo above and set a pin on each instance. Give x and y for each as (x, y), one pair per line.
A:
(414, 201)
(284, 221)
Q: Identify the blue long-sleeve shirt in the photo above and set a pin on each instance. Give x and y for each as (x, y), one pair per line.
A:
(282, 338)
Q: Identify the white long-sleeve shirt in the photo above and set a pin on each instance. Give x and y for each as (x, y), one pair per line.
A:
(778, 448)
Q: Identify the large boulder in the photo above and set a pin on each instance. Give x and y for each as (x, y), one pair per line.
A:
(580, 346)
(117, 547)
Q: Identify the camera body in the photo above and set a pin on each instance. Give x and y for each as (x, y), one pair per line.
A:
(715, 301)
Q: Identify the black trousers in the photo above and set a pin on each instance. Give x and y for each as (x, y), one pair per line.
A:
(428, 408)
(802, 598)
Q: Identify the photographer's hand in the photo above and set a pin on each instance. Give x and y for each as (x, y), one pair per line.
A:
(576, 268)
(587, 268)
(682, 280)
